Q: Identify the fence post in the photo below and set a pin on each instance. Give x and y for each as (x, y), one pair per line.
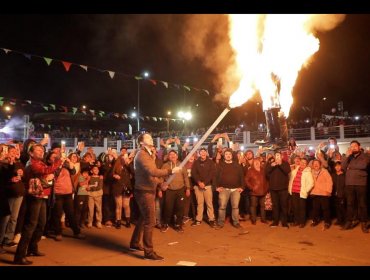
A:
(341, 132)
(248, 135)
(105, 144)
(313, 137)
(158, 143)
(119, 145)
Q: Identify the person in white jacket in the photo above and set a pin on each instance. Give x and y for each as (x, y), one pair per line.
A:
(300, 184)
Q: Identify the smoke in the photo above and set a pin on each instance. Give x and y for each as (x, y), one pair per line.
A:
(324, 22)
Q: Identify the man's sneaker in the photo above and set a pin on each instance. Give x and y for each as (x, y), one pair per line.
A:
(108, 224)
(185, 220)
(178, 228)
(136, 248)
(153, 257)
(212, 224)
(79, 236)
(58, 237)
(11, 244)
(99, 226)
(195, 223)
(273, 225)
(164, 228)
(238, 226)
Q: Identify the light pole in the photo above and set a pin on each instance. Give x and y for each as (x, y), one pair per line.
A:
(144, 75)
(168, 121)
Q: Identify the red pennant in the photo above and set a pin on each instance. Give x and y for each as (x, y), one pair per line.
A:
(65, 109)
(154, 82)
(66, 65)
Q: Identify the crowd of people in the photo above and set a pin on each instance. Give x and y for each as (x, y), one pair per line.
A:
(43, 191)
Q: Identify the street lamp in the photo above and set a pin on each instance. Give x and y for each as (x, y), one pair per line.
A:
(144, 75)
(168, 121)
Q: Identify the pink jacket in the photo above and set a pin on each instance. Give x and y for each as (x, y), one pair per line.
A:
(323, 183)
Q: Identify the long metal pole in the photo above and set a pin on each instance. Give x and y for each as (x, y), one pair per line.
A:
(200, 142)
(138, 105)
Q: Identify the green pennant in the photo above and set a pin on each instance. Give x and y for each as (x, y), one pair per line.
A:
(1, 98)
(1, 103)
(138, 78)
(48, 60)
(74, 110)
(52, 106)
(187, 88)
(45, 107)
(49, 126)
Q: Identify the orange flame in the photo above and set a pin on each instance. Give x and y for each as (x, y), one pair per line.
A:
(270, 51)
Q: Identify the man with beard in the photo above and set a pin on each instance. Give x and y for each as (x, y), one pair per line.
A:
(356, 164)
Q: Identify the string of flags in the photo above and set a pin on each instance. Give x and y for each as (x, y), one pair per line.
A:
(112, 74)
(4, 101)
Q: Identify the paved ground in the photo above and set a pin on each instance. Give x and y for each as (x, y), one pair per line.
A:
(262, 246)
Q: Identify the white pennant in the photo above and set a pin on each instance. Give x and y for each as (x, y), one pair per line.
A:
(111, 74)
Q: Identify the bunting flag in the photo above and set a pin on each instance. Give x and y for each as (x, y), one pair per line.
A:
(66, 65)
(1, 98)
(49, 126)
(48, 60)
(74, 110)
(26, 55)
(84, 67)
(29, 101)
(64, 108)
(187, 88)
(111, 74)
(42, 125)
(52, 106)
(92, 112)
(45, 108)
(1, 103)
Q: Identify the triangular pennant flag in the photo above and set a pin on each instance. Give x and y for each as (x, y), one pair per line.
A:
(115, 133)
(84, 67)
(12, 103)
(84, 112)
(52, 106)
(154, 82)
(165, 84)
(74, 110)
(1, 98)
(142, 118)
(65, 109)
(68, 128)
(92, 112)
(66, 65)
(42, 125)
(45, 108)
(138, 78)
(116, 115)
(111, 74)
(187, 88)
(26, 55)
(101, 112)
(176, 86)
(206, 91)
(1, 103)
(49, 126)
(160, 119)
(125, 115)
(48, 60)
(154, 118)
(29, 101)
(148, 118)
(6, 50)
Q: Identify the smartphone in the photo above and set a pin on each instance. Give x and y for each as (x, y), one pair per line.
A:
(5, 150)
(331, 146)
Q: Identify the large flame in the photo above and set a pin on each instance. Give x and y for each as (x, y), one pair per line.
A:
(270, 51)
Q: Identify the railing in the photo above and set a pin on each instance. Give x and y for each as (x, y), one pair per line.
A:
(245, 138)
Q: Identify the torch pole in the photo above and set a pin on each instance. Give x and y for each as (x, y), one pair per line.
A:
(200, 142)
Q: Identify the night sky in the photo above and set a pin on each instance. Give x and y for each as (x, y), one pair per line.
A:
(180, 49)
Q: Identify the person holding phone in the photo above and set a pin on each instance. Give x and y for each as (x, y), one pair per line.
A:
(356, 166)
